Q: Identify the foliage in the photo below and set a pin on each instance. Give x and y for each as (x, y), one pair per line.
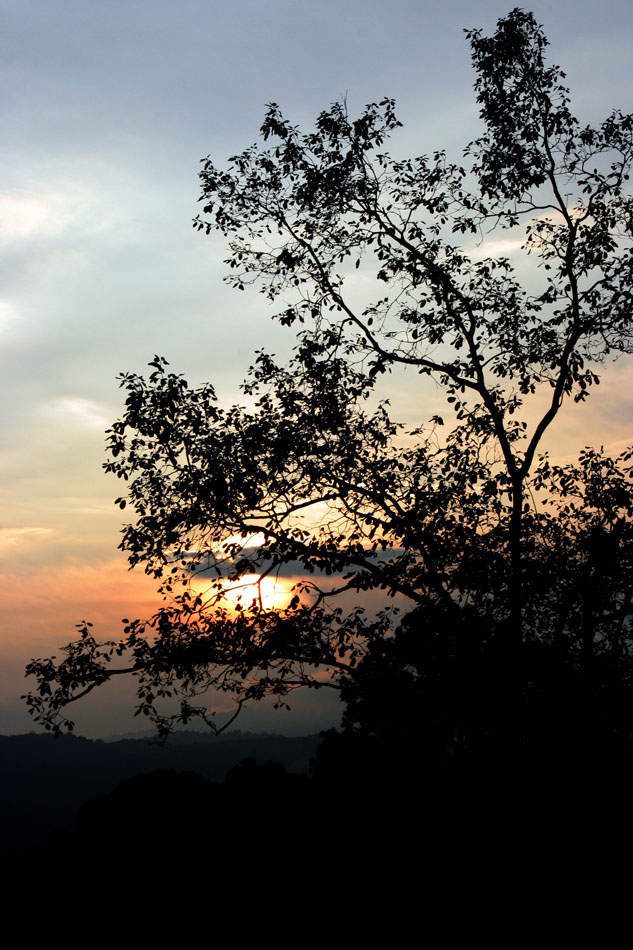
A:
(316, 481)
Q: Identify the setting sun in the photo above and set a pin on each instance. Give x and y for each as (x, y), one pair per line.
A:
(272, 593)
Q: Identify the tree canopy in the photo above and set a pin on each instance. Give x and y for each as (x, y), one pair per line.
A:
(459, 518)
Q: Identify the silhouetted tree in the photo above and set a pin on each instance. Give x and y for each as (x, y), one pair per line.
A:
(494, 547)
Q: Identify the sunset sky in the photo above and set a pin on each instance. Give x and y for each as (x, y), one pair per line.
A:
(108, 107)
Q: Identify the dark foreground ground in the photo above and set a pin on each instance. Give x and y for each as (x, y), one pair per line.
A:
(245, 805)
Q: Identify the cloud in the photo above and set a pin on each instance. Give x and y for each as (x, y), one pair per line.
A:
(295, 570)
(21, 215)
(25, 214)
(11, 538)
(8, 316)
(84, 411)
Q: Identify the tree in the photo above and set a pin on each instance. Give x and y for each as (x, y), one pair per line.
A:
(482, 536)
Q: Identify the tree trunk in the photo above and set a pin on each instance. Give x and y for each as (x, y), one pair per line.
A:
(515, 619)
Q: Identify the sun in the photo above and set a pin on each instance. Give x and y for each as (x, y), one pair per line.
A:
(270, 593)
(273, 593)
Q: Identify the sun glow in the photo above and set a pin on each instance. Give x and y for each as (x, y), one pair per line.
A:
(268, 593)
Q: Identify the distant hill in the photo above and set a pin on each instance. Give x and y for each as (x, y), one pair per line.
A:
(46, 780)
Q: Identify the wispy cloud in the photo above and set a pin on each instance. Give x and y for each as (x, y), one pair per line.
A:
(21, 215)
(11, 538)
(25, 215)
(84, 411)
(8, 316)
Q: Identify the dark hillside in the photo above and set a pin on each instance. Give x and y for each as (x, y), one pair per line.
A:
(46, 780)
